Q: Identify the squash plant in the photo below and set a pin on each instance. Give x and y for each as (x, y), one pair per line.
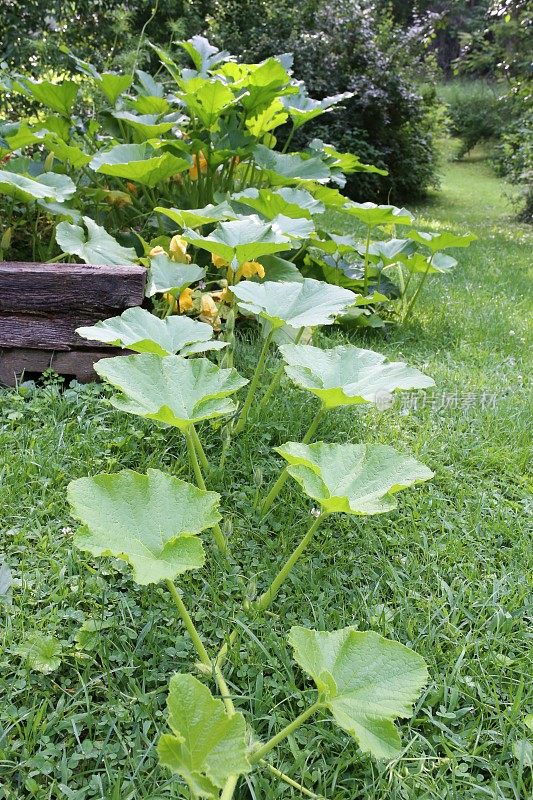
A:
(111, 166)
(155, 522)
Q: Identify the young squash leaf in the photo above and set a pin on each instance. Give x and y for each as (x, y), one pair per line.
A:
(166, 275)
(241, 240)
(372, 214)
(113, 85)
(140, 163)
(440, 241)
(139, 330)
(345, 375)
(365, 680)
(40, 652)
(354, 479)
(207, 744)
(196, 217)
(47, 186)
(298, 304)
(173, 390)
(204, 55)
(96, 246)
(303, 108)
(150, 521)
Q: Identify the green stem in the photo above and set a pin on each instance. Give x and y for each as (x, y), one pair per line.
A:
(195, 466)
(229, 788)
(268, 597)
(199, 646)
(417, 290)
(261, 752)
(280, 483)
(189, 624)
(367, 247)
(241, 422)
(289, 138)
(200, 452)
(290, 781)
(274, 383)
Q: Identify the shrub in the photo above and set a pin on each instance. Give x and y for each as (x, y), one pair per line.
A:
(475, 113)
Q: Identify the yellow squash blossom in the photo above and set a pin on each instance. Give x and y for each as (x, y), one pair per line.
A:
(218, 261)
(250, 268)
(209, 311)
(185, 301)
(178, 250)
(156, 251)
(199, 163)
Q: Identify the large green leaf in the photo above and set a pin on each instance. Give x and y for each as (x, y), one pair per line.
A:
(208, 744)
(290, 202)
(352, 478)
(345, 375)
(437, 262)
(372, 214)
(196, 217)
(298, 304)
(278, 269)
(47, 186)
(282, 168)
(96, 246)
(173, 390)
(145, 126)
(137, 329)
(209, 100)
(303, 108)
(66, 153)
(113, 85)
(241, 240)
(58, 96)
(139, 162)
(166, 275)
(264, 84)
(440, 241)
(366, 682)
(388, 251)
(151, 521)
(204, 55)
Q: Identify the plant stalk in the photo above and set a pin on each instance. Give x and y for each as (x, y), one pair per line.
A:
(200, 452)
(241, 422)
(286, 779)
(367, 247)
(268, 597)
(290, 728)
(280, 483)
(274, 383)
(229, 788)
(195, 466)
(417, 290)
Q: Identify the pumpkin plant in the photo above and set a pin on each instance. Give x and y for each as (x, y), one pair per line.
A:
(155, 523)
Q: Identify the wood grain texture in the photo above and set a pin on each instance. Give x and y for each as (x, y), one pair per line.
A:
(15, 363)
(91, 288)
(46, 331)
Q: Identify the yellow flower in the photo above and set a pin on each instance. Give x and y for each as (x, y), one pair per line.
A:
(218, 261)
(198, 163)
(209, 310)
(250, 268)
(185, 301)
(156, 251)
(178, 250)
(131, 187)
(221, 296)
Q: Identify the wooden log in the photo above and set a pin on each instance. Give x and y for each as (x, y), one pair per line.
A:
(91, 288)
(17, 362)
(47, 332)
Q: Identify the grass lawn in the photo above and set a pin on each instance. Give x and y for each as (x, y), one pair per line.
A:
(447, 573)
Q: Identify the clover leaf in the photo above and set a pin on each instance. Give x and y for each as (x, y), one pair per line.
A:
(345, 375)
(365, 680)
(166, 275)
(140, 163)
(207, 744)
(298, 304)
(173, 390)
(355, 479)
(96, 246)
(137, 329)
(241, 240)
(150, 521)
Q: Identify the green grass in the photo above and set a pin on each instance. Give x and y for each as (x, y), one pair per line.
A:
(447, 573)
